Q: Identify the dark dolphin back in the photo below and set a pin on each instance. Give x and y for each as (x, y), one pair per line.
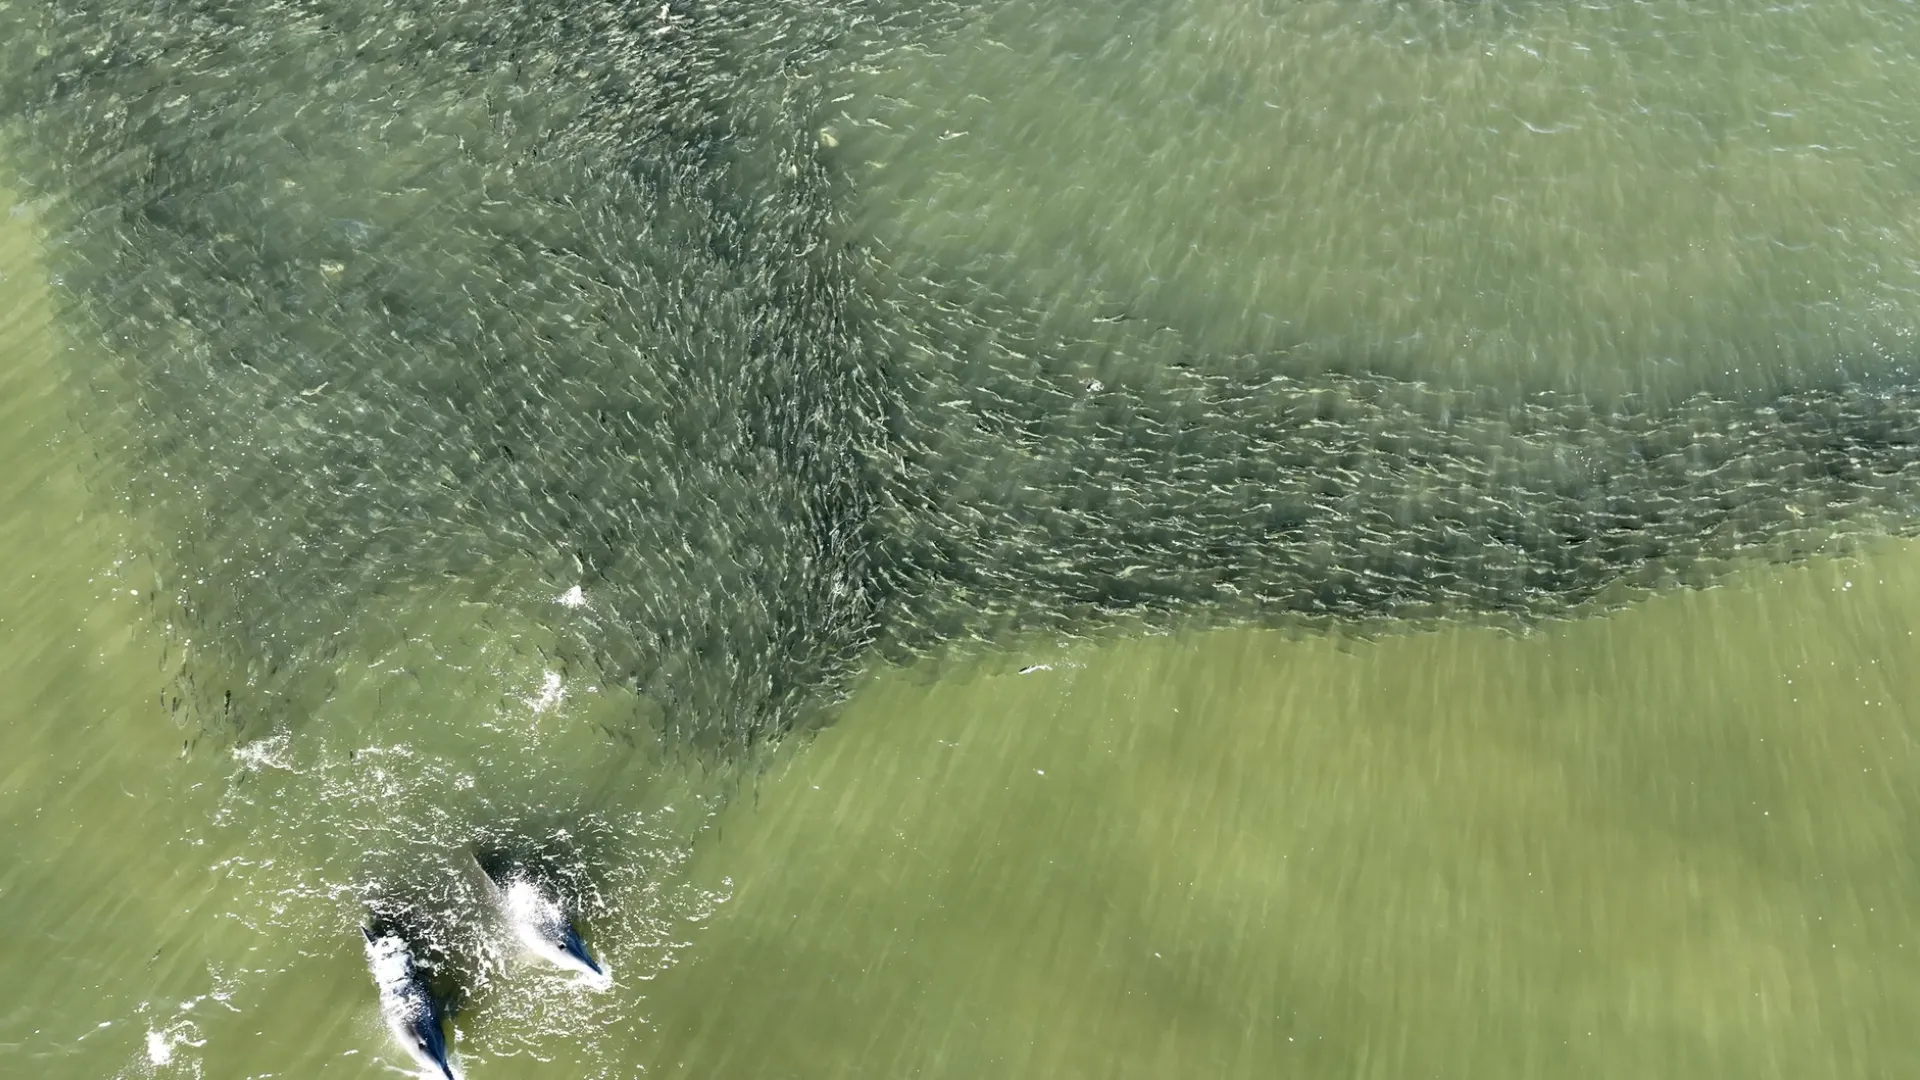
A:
(433, 1035)
(576, 948)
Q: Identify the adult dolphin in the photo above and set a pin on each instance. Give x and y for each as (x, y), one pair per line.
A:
(414, 1014)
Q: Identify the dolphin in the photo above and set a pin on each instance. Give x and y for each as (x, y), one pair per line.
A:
(412, 1011)
(537, 911)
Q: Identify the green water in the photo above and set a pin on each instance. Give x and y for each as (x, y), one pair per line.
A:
(1672, 840)
(1614, 197)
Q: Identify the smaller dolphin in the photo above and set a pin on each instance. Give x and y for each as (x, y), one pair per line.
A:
(535, 910)
(414, 1015)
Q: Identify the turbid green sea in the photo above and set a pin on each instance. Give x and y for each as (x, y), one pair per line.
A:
(1321, 540)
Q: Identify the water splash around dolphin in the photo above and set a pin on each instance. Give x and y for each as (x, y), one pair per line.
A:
(534, 907)
(414, 1014)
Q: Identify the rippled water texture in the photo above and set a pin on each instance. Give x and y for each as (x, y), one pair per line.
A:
(1604, 197)
(918, 514)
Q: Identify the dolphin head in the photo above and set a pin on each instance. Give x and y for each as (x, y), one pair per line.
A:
(538, 917)
(571, 944)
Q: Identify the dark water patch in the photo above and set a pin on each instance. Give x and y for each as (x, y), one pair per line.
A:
(402, 294)
(1052, 481)
(397, 293)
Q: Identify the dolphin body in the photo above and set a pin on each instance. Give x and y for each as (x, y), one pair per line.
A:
(413, 1013)
(536, 910)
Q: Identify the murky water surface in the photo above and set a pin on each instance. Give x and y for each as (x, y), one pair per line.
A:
(933, 550)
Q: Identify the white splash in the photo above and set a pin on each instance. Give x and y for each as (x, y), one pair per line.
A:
(163, 1050)
(273, 752)
(404, 1003)
(161, 1044)
(541, 924)
(552, 691)
(575, 597)
(391, 964)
